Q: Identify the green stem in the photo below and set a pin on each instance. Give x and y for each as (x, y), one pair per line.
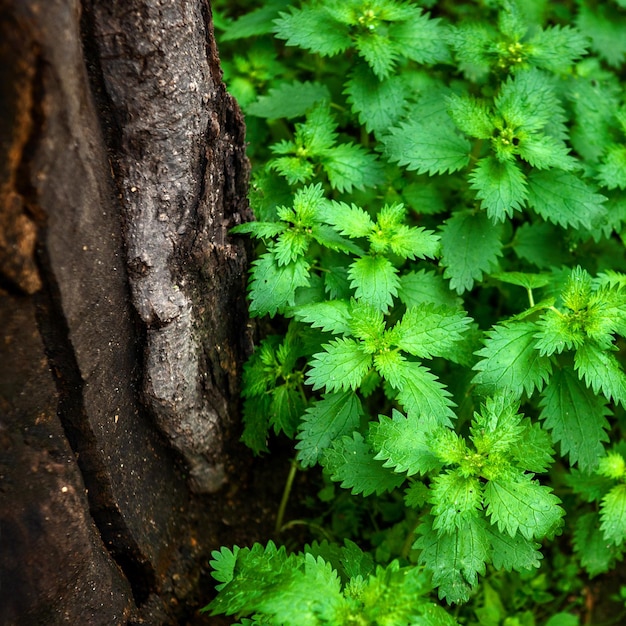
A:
(283, 502)
(299, 522)
(531, 300)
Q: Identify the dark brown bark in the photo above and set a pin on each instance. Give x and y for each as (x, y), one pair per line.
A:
(122, 309)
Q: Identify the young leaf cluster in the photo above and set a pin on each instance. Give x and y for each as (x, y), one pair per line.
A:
(441, 216)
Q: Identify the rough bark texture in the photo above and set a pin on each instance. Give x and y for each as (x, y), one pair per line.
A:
(122, 311)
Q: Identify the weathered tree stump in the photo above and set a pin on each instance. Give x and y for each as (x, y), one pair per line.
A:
(122, 309)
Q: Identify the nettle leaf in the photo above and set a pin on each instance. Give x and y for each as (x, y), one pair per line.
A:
(576, 418)
(428, 330)
(389, 364)
(613, 515)
(501, 187)
(375, 281)
(325, 421)
(455, 559)
(536, 243)
(348, 165)
(377, 51)
(273, 286)
(565, 199)
(470, 246)
(342, 365)
(426, 287)
(313, 28)
(544, 151)
(419, 38)
(289, 100)
(424, 397)
(605, 31)
(351, 461)
(286, 407)
(331, 316)
(426, 147)
(379, 104)
(510, 360)
(518, 503)
(601, 371)
(401, 443)
(513, 553)
(471, 115)
(294, 169)
(260, 230)
(350, 220)
(456, 499)
(612, 170)
(527, 100)
(556, 48)
(414, 243)
(595, 554)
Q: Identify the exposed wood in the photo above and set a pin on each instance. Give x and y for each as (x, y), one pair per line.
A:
(122, 308)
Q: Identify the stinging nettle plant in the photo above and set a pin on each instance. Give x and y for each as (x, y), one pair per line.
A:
(440, 199)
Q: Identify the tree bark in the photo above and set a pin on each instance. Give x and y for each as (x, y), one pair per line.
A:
(122, 308)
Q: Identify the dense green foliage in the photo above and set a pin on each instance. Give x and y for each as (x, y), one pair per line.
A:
(440, 193)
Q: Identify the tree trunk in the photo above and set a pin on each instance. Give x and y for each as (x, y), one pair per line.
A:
(122, 308)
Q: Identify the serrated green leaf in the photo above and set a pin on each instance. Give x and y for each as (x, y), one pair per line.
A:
(273, 286)
(288, 100)
(424, 397)
(612, 170)
(513, 553)
(470, 246)
(565, 199)
(428, 330)
(389, 364)
(605, 29)
(332, 316)
(349, 220)
(555, 49)
(342, 365)
(595, 554)
(348, 166)
(527, 100)
(456, 500)
(377, 51)
(544, 152)
(351, 461)
(472, 116)
(520, 504)
(419, 38)
(523, 279)
(260, 230)
(313, 28)
(538, 244)
(286, 407)
(379, 104)
(325, 421)
(401, 443)
(422, 146)
(375, 281)
(575, 417)
(331, 239)
(501, 187)
(414, 243)
(426, 287)
(258, 22)
(601, 371)
(294, 169)
(613, 515)
(455, 559)
(510, 360)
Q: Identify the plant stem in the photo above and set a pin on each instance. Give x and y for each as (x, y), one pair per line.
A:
(283, 502)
